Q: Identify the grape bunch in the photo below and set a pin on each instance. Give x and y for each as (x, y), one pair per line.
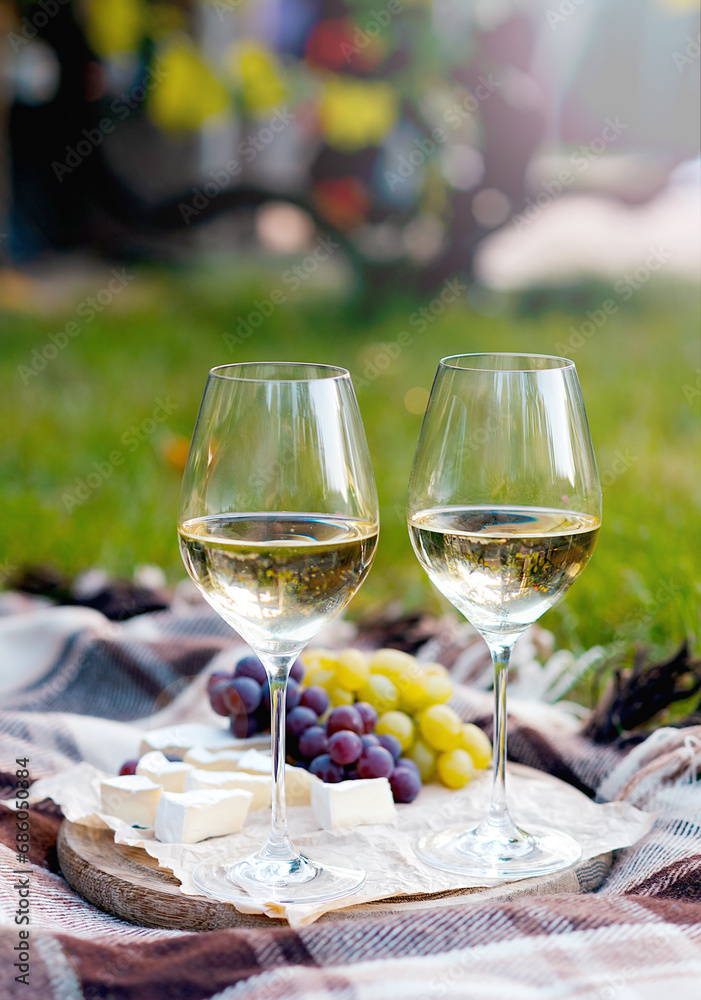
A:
(347, 747)
(244, 696)
(408, 699)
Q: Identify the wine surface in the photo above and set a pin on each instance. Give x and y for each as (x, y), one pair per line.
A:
(502, 567)
(277, 578)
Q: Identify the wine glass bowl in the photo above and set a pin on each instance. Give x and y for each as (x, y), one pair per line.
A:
(278, 526)
(504, 511)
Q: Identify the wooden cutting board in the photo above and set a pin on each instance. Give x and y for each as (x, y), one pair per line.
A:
(126, 882)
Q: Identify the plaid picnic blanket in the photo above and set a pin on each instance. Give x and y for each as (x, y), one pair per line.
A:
(70, 678)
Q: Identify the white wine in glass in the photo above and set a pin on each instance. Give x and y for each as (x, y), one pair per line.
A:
(278, 528)
(504, 512)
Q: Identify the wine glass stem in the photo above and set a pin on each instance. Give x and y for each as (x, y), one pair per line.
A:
(498, 821)
(279, 845)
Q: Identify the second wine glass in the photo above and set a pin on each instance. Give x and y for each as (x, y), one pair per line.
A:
(278, 528)
(504, 511)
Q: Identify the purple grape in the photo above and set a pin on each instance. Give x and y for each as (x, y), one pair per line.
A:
(391, 743)
(297, 671)
(368, 714)
(375, 763)
(323, 767)
(128, 767)
(344, 717)
(345, 747)
(370, 740)
(174, 758)
(405, 784)
(313, 742)
(222, 697)
(409, 764)
(249, 692)
(300, 719)
(251, 666)
(316, 698)
(218, 675)
(293, 694)
(243, 725)
(351, 774)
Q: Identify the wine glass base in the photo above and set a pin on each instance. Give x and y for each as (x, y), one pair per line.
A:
(302, 879)
(471, 853)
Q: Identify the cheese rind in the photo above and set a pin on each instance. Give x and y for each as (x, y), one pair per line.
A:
(298, 785)
(188, 817)
(179, 739)
(367, 800)
(219, 760)
(259, 785)
(170, 775)
(255, 762)
(132, 798)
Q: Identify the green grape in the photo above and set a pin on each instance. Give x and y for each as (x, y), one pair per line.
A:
(441, 727)
(455, 768)
(424, 758)
(438, 689)
(380, 692)
(339, 696)
(320, 677)
(352, 669)
(476, 742)
(413, 689)
(398, 724)
(392, 663)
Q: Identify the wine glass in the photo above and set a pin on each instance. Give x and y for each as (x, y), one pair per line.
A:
(504, 511)
(278, 527)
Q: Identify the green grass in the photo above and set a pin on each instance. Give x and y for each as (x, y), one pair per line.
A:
(158, 339)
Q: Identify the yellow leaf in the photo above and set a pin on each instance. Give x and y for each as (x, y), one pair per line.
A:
(188, 92)
(357, 113)
(114, 26)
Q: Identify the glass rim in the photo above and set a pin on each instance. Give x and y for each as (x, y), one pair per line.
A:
(324, 371)
(562, 364)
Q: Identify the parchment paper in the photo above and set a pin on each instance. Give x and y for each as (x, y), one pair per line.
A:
(385, 851)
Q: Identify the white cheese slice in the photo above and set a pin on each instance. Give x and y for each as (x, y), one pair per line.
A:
(260, 785)
(347, 803)
(170, 775)
(188, 817)
(255, 762)
(298, 785)
(130, 797)
(179, 739)
(221, 760)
